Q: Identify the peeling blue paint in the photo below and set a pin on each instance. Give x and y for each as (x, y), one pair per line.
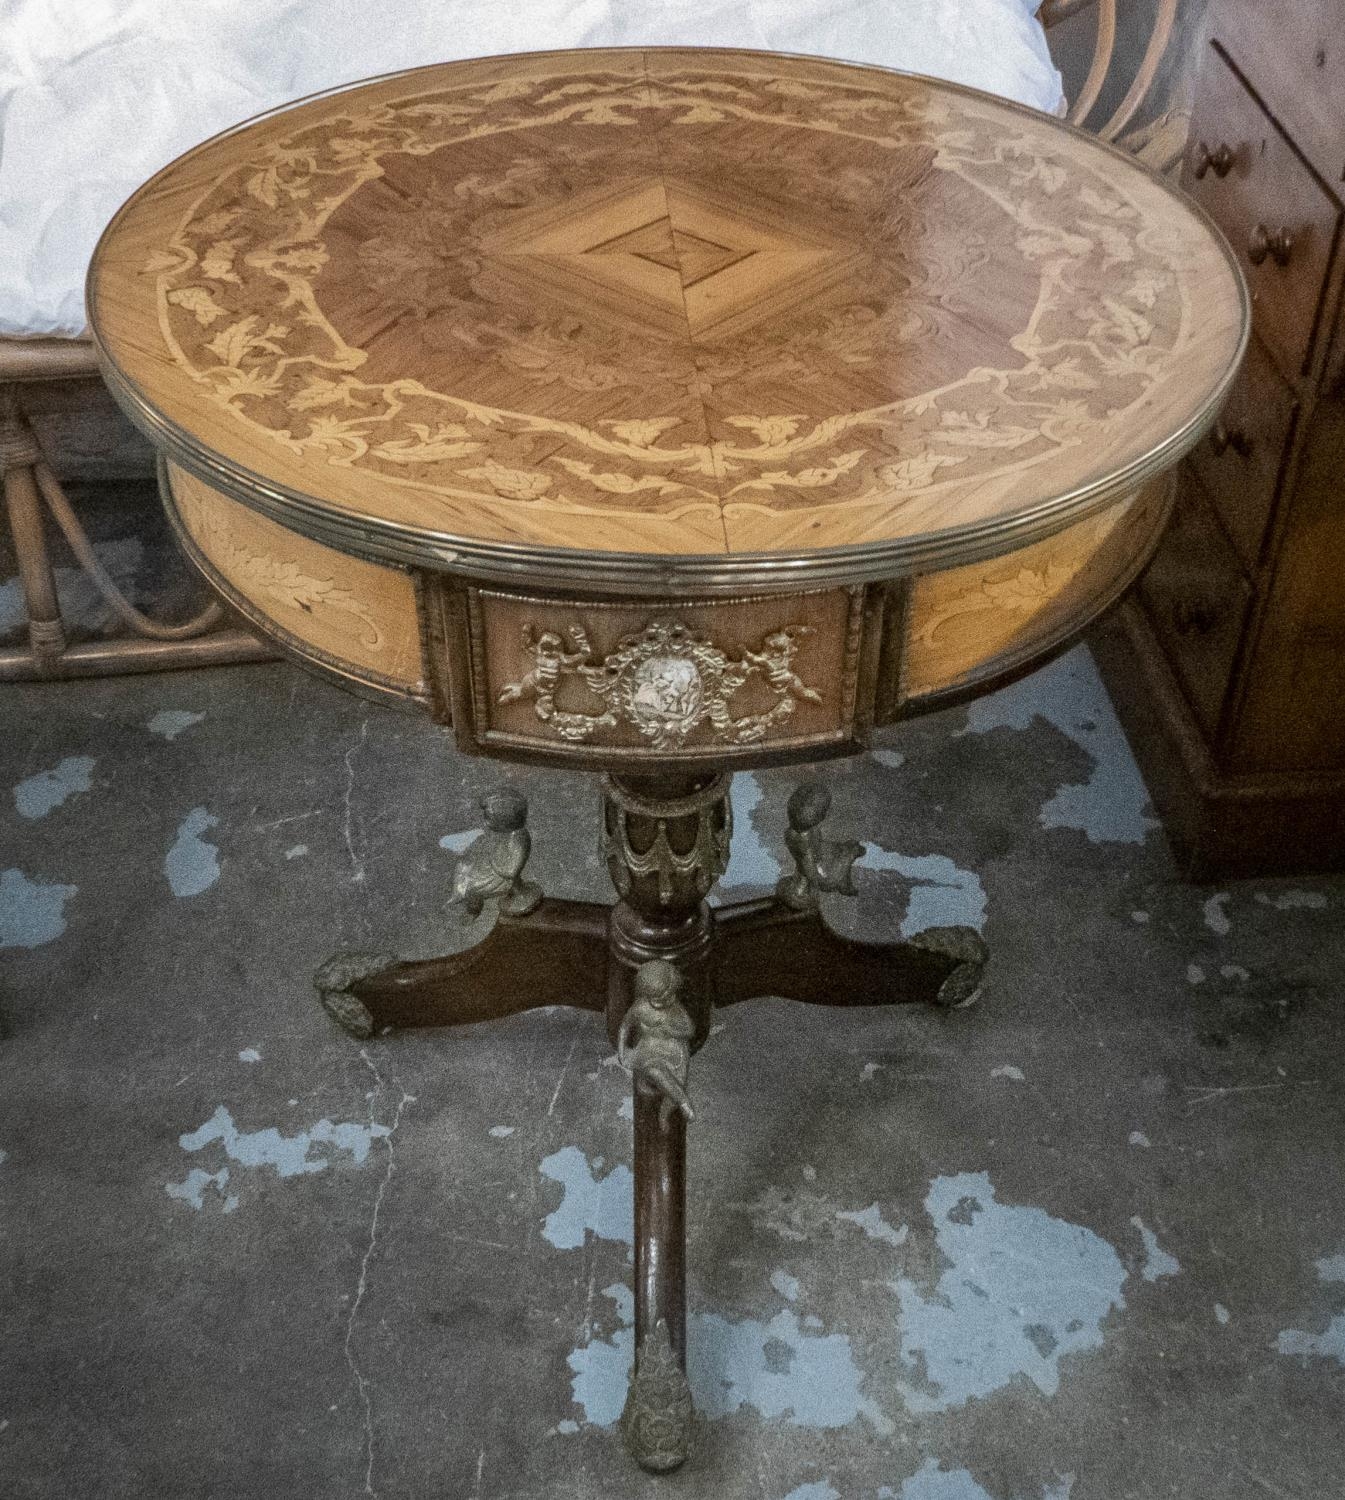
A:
(1294, 900)
(601, 1368)
(778, 1370)
(1021, 1291)
(589, 1205)
(773, 1367)
(1330, 1342)
(191, 866)
(296, 851)
(933, 1482)
(818, 1490)
(871, 1221)
(786, 1285)
(455, 843)
(501, 1132)
(1216, 914)
(1009, 1071)
(286, 1155)
(170, 722)
(31, 913)
(1222, 1316)
(1138, 1138)
(1157, 1262)
(36, 796)
(249, 1055)
(1112, 806)
(891, 759)
(751, 864)
(942, 894)
(192, 1189)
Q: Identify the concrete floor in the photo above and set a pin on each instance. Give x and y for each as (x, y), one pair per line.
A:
(1086, 1240)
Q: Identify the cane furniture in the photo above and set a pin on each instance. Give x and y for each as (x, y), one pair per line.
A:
(662, 413)
(1228, 667)
(49, 387)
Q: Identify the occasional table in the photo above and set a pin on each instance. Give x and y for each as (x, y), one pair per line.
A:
(663, 413)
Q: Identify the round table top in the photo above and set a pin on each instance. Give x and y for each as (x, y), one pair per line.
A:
(666, 315)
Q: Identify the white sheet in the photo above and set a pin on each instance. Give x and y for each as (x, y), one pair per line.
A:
(96, 95)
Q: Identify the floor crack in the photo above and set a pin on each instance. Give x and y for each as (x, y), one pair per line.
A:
(361, 1382)
(356, 861)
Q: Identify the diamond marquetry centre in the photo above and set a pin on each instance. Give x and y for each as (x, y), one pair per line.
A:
(667, 257)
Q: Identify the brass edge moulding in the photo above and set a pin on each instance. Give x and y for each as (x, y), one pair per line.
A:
(366, 681)
(385, 541)
(644, 573)
(460, 678)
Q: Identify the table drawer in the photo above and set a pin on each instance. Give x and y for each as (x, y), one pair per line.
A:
(632, 682)
(1280, 220)
(1240, 460)
(1198, 597)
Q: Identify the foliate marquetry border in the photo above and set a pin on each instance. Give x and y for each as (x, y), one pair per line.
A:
(1006, 667)
(459, 676)
(259, 353)
(366, 681)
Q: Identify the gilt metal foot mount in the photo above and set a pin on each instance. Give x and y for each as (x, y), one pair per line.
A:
(656, 963)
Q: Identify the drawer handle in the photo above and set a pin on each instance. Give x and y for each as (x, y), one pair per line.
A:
(1223, 438)
(1279, 247)
(1195, 616)
(1219, 161)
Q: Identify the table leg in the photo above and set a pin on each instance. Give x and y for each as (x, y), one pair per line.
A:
(766, 948)
(656, 1421)
(555, 955)
(667, 841)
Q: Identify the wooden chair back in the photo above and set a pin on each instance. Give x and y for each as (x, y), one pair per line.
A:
(1104, 49)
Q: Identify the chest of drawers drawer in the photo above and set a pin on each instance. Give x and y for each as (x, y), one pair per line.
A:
(1281, 221)
(1240, 460)
(1197, 597)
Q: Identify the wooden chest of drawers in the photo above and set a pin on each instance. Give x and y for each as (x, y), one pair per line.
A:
(1228, 664)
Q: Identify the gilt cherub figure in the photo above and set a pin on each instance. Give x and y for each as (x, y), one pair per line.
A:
(776, 660)
(819, 864)
(491, 867)
(654, 1041)
(550, 663)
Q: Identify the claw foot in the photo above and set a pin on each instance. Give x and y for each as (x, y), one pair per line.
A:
(334, 981)
(962, 988)
(656, 1421)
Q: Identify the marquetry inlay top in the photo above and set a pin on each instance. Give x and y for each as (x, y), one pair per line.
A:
(665, 304)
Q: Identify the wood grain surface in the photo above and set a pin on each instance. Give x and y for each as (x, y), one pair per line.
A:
(666, 304)
(355, 617)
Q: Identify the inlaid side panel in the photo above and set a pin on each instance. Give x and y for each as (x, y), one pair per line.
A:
(356, 617)
(779, 676)
(969, 624)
